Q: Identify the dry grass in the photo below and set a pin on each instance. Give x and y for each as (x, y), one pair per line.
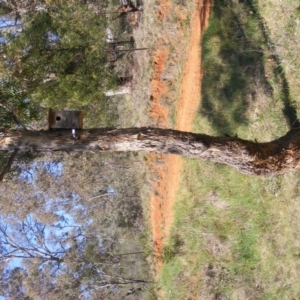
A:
(164, 29)
(240, 235)
(235, 237)
(284, 32)
(159, 30)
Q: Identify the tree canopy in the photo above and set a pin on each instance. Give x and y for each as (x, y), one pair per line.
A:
(81, 241)
(62, 260)
(61, 55)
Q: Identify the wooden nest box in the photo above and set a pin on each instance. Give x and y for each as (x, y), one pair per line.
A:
(65, 119)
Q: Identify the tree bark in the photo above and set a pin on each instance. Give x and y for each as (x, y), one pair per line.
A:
(248, 157)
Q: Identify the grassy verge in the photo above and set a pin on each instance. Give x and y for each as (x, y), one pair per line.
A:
(235, 236)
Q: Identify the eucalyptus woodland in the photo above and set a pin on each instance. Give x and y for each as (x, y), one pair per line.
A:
(71, 215)
(70, 225)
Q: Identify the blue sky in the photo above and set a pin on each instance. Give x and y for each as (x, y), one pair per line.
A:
(4, 21)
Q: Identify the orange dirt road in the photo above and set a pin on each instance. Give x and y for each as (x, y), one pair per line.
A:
(168, 172)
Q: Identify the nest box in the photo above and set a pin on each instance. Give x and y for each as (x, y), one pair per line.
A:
(65, 119)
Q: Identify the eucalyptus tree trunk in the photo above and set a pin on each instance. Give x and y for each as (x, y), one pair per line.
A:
(248, 157)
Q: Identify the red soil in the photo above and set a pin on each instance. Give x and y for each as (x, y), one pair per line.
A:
(158, 112)
(167, 172)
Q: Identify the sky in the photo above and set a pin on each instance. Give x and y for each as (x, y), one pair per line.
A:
(8, 25)
(7, 22)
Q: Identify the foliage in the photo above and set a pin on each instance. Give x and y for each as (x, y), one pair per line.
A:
(70, 226)
(4, 10)
(16, 110)
(58, 260)
(69, 197)
(58, 61)
(14, 103)
(60, 55)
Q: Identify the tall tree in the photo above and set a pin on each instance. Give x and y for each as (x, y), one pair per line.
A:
(249, 157)
(60, 55)
(62, 260)
(58, 58)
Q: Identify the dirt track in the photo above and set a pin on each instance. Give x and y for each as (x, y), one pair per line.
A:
(168, 171)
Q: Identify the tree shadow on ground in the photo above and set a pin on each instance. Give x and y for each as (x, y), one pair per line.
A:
(234, 46)
(289, 110)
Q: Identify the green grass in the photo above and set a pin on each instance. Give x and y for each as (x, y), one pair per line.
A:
(239, 235)
(240, 88)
